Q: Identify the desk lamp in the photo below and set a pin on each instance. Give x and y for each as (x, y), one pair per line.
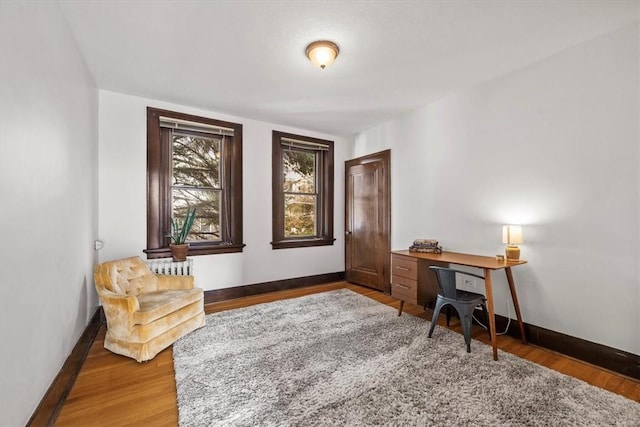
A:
(512, 235)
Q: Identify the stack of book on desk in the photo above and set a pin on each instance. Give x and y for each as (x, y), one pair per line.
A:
(426, 245)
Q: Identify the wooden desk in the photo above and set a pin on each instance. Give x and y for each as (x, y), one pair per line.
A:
(405, 280)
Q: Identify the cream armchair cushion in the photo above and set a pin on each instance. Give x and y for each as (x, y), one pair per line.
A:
(146, 312)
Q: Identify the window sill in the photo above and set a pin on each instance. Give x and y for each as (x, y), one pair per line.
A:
(195, 250)
(301, 243)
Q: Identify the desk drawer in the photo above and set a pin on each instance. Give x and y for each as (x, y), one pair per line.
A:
(410, 285)
(404, 292)
(404, 267)
(404, 289)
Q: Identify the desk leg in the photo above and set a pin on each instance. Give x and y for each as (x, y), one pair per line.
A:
(492, 313)
(514, 298)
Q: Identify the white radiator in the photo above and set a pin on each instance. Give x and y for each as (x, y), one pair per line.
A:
(169, 267)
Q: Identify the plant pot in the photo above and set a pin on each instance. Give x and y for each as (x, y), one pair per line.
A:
(179, 252)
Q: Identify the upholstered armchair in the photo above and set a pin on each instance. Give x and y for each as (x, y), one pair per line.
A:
(146, 312)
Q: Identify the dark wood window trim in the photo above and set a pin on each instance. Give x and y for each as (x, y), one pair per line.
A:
(158, 187)
(325, 210)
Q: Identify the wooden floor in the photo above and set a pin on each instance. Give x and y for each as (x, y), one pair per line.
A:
(113, 390)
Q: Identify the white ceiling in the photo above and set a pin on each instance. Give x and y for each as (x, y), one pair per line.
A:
(246, 58)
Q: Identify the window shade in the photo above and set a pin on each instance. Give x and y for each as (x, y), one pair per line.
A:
(305, 145)
(177, 124)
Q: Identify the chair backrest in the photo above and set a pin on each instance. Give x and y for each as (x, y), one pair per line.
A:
(447, 280)
(129, 276)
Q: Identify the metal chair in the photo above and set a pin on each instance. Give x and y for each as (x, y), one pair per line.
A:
(464, 302)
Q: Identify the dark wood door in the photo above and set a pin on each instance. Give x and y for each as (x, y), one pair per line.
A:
(368, 220)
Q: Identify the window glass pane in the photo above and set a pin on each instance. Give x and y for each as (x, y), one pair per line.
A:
(299, 215)
(299, 171)
(208, 209)
(196, 160)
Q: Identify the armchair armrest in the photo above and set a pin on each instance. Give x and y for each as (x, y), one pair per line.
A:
(166, 282)
(118, 310)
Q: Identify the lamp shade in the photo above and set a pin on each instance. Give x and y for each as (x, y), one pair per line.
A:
(322, 53)
(512, 234)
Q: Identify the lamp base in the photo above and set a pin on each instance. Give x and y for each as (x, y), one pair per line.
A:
(513, 253)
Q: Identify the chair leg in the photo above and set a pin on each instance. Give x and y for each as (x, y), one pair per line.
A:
(466, 329)
(465, 320)
(436, 313)
(448, 315)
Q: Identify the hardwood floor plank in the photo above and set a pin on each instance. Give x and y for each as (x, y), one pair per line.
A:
(635, 394)
(628, 387)
(559, 364)
(579, 370)
(601, 379)
(114, 390)
(614, 384)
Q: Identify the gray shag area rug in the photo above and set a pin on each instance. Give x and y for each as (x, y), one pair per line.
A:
(341, 359)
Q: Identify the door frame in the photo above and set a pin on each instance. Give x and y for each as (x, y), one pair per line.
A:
(383, 157)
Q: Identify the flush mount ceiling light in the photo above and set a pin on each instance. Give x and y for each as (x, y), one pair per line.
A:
(322, 53)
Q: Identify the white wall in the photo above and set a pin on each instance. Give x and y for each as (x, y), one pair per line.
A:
(122, 154)
(554, 147)
(49, 137)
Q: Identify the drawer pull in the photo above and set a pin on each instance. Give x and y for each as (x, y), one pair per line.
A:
(402, 268)
(401, 286)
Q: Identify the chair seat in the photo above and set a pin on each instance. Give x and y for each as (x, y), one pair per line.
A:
(465, 297)
(155, 305)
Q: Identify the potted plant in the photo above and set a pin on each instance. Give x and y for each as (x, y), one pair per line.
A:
(180, 231)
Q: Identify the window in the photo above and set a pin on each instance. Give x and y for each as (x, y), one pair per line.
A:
(302, 191)
(193, 162)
